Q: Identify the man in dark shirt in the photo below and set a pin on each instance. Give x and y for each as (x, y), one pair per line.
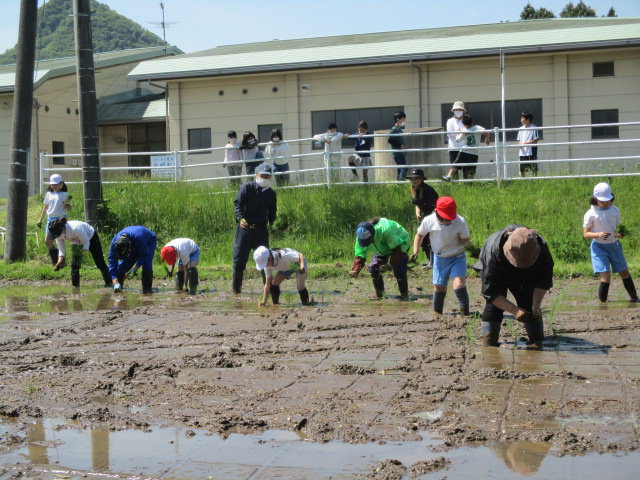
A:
(255, 208)
(518, 260)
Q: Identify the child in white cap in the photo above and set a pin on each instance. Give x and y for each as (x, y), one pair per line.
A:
(278, 265)
(601, 224)
(56, 203)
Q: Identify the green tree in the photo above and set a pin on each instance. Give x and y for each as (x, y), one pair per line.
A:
(579, 10)
(611, 12)
(531, 13)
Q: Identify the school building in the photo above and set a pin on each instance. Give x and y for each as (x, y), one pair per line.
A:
(131, 115)
(565, 71)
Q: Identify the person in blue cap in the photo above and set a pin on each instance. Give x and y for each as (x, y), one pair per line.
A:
(255, 209)
(134, 245)
(389, 242)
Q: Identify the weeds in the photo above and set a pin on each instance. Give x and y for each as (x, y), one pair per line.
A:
(31, 387)
(471, 328)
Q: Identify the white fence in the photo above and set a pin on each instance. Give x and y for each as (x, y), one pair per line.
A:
(560, 157)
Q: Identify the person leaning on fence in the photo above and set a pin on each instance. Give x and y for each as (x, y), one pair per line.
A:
(132, 248)
(254, 208)
(82, 236)
(470, 135)
(278, 265)
(455, 142)
(187, 254)
(362, 157)
(279, 152)
(232, 157)
(332, 140)
(249, 152)
(514, 259)
(397, 143)
(424, 197)
(601, 224)
(389, 242)
(528, 137)
(56, 203)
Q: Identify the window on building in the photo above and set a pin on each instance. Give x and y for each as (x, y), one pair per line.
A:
(199, 138)
(603, 69)
(489, 114)
(378, 118)
(57, 148)
(605, 116)
(264, 132)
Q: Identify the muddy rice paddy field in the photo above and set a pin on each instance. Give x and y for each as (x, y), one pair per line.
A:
(214, 387)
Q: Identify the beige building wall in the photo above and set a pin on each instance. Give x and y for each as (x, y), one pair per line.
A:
(6, 113)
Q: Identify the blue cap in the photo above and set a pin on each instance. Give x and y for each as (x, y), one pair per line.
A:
(365, 232)
(264, 168)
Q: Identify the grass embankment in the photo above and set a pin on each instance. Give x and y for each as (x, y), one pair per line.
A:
(322, 222)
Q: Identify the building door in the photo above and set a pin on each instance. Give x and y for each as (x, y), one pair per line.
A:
(145, 137)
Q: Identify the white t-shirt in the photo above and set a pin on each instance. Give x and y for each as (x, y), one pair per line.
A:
(526, 134)
(602, 220)
(184, 248)
(284, 259)
(331, 148)
(78, 233)
(455, 125)
(55, 203)
(279, 152)
(472, 139)
(445, 239)
(232, 153)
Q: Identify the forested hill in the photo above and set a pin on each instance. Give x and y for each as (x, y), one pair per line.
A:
(111, 31)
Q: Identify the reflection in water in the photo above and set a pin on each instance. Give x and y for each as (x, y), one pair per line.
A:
(524, 458)
(100, 449)
(36, 450)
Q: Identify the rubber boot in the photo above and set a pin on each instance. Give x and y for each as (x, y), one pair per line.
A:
(179, 281)
(75, 277)
(438, 301)
(304, 296)
(603, 291)
(237, 281)
(535, 331)
(275, 294)
(463, 300)
(193, 280)
(630, 288)
(106, 276)
(147, 281)
(378, 285)
(403, 286)
(264, 277)
(53, 254)
(490, 334)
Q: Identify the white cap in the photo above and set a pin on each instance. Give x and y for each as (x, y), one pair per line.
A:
(602, 192)
(55, 179)
(261, 257)
(458, 106)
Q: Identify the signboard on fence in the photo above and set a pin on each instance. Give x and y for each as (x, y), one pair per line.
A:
(163, 166)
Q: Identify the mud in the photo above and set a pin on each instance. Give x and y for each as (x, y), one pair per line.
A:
(348, 369)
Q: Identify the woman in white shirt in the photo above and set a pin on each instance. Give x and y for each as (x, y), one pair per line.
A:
(279, 151)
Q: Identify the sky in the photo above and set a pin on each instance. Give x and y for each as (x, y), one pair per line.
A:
(201, 24)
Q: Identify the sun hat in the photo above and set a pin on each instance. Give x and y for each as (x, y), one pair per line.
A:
(458, 106)
(416, 173)
(261, 257)
(522, 248)
(169, 254)
(446, 208)
(365, 232)
(55, 179)
(264, 168)
(602, 192)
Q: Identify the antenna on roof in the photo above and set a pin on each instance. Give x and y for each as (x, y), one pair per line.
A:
(164, 25)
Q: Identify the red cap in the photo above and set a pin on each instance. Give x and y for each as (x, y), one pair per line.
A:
(446, 208)
(168, 254)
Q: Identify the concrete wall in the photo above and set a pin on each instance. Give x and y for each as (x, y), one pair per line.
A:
(6, 113)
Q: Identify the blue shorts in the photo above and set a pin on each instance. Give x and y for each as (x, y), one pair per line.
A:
(194, 257)
(445, 267)
(289, 273)
(604, 255)
(49, 219)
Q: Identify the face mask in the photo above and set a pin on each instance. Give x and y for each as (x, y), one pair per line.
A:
(276, 139)
(458, 113)
(402, 124)
(263, 182)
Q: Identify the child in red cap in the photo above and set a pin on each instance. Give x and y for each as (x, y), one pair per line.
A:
(187, 253)
(449, 235)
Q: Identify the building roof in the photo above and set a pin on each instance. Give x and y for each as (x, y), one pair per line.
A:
(57, 67)
(390, 47)
(138, 105)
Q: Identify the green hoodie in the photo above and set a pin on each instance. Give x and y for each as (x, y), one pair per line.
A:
(388, 235)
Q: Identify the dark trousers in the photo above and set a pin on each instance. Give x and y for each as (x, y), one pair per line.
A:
(95, 248)
(284, 178)
(426, 246)
(456, 156)
(399, 269)
(251, 166)
(400, 159)
(528, 165)
(245, 241)
(523, 294)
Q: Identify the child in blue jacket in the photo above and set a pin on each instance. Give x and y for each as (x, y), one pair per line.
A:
(134, 245)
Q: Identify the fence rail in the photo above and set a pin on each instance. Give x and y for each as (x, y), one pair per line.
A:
(497, 158)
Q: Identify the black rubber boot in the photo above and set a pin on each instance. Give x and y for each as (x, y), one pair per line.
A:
(75, 277)
(463, 300)
(237, 281)
(121, 280)
(378, 285)
(490, 334)
(264, 277)
(147, 281)
(603, 291)
(193, 280)
(275, 294)
(403, 286)
(535, 331)
(630, 288)
(304, 296)
(179, 281)
(438, 301)
(53, 254)
(106, 276)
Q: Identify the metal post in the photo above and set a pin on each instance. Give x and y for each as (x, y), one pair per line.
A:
(178, 158)
(327, 162)
(502, 107)
(175, 167)
(41, 176)
(496, 148)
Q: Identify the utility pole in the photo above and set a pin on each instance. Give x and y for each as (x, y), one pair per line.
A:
(16, 243)
(92, 184)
